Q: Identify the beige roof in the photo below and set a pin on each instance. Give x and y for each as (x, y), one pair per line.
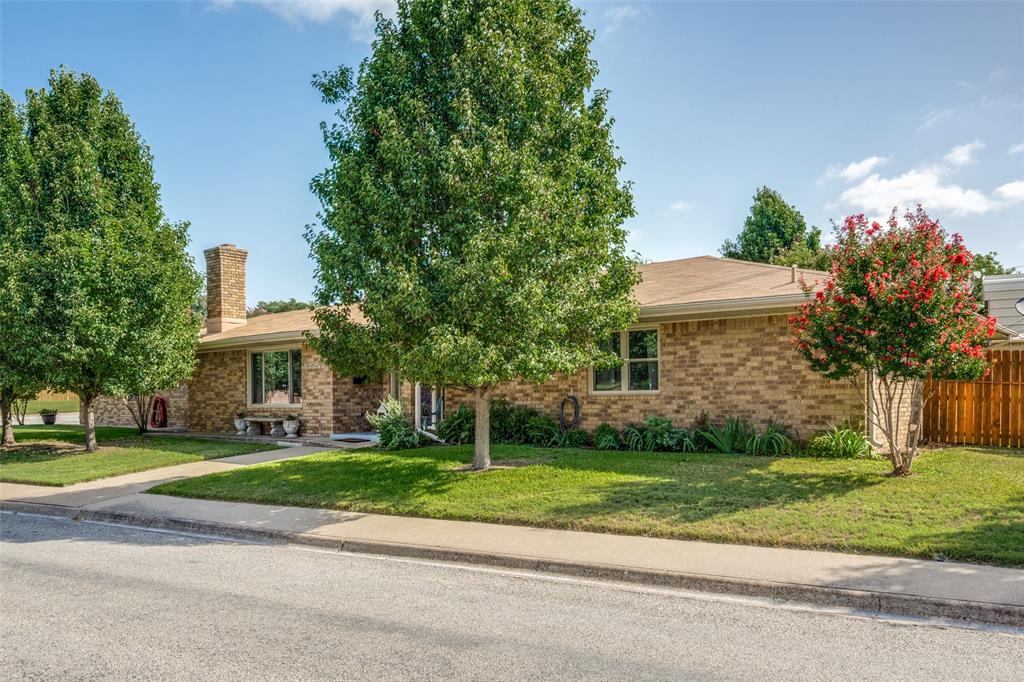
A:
(694, 286)
(270, 327)
(707, 279)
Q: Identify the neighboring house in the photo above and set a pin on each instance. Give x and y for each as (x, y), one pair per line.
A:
(1004, 298)
(712, 337)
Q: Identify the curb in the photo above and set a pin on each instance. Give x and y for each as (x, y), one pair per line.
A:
(835, 597)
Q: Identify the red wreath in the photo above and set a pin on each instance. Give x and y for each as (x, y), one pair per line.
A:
(158, 418)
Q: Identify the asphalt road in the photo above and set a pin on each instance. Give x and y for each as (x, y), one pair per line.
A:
(83, 601)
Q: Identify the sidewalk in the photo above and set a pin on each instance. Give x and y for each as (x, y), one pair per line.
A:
(866, 583)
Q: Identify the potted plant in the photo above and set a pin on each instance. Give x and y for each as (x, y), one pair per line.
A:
(291, 426)
(240, 423)
(49, 416)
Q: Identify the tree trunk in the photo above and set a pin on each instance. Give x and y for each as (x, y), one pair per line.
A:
(482, 444)
(5, 409)
(140, 407)
(89, 414)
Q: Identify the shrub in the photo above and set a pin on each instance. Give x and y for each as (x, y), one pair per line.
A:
(657, 433)
(684, 441)
(839, 442)
(700, 424)
(606, 437)
(541, 430)
(458, 426)
(731, 437)
(510, 423)
(573, 438)
(394, 427)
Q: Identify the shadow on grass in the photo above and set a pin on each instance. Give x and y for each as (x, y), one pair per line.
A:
(377, 478)
(998, 537)
(698, 490)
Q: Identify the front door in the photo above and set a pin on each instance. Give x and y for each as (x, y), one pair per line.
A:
(429, 407)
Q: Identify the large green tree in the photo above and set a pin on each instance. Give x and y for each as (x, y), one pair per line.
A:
(472, 210)
(21, 371)
(271, 307)
(987, 264)
(111, 278)
(776, 232)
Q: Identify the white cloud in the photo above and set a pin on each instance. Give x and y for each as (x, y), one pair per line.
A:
(1017, 148)
(359, 12)
(962, 155)
(680, 206)
(933, 117)
(855, 170)
(617, 16)
(878, 195)
(1012, 192)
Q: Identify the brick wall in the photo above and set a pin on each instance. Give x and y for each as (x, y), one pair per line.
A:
(741, 367)
(112, 411)
(225, 287)
(352, 401)
(330, 404)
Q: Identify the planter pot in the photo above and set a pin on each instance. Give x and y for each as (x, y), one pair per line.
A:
(291, 428)
(49, 419)
(239, 427)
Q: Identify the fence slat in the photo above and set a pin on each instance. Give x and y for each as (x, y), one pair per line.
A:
(989, 411)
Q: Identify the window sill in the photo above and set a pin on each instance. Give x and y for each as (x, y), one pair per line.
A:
(625, 393)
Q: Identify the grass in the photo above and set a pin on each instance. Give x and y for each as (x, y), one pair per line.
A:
(60, 405)
(55, 455)
(963, 503)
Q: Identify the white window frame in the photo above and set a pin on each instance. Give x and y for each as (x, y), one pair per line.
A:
(624, 356)
(291, 373)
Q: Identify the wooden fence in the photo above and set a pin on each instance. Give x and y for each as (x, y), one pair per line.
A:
(989, 411)
(56, 395)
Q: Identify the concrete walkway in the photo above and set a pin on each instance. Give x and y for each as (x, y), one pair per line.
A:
(85, 495)
(870, 583)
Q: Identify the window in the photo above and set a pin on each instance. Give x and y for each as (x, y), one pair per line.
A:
(639, 369)
(276, 377)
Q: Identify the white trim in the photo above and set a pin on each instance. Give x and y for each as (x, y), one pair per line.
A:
(291, 337)
(624, 355)
(291, 374)
(714, 309)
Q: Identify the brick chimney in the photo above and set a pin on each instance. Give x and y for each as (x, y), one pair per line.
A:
(225, 288)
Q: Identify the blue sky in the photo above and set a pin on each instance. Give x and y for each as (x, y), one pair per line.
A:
(843, 107)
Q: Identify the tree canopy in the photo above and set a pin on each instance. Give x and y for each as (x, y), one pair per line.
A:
(21, 365)
(897, 307)
(269, 307)
(776, 232)
(472, 210)
(110, 279)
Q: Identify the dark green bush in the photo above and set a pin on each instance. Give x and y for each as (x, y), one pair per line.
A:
(541, 430)
(574, 438)
(510, 423)
(458, 426)
(606, 437)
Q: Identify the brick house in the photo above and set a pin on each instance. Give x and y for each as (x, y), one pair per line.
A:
(711, 336)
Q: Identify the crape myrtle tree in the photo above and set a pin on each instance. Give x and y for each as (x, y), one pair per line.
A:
(472, 212)
(896, 309)
(111, 278)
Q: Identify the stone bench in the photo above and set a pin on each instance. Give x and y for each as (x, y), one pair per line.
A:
(254, 426)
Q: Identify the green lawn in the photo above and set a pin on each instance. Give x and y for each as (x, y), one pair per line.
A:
(55, 455)
(963, 503)
(60, 405)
